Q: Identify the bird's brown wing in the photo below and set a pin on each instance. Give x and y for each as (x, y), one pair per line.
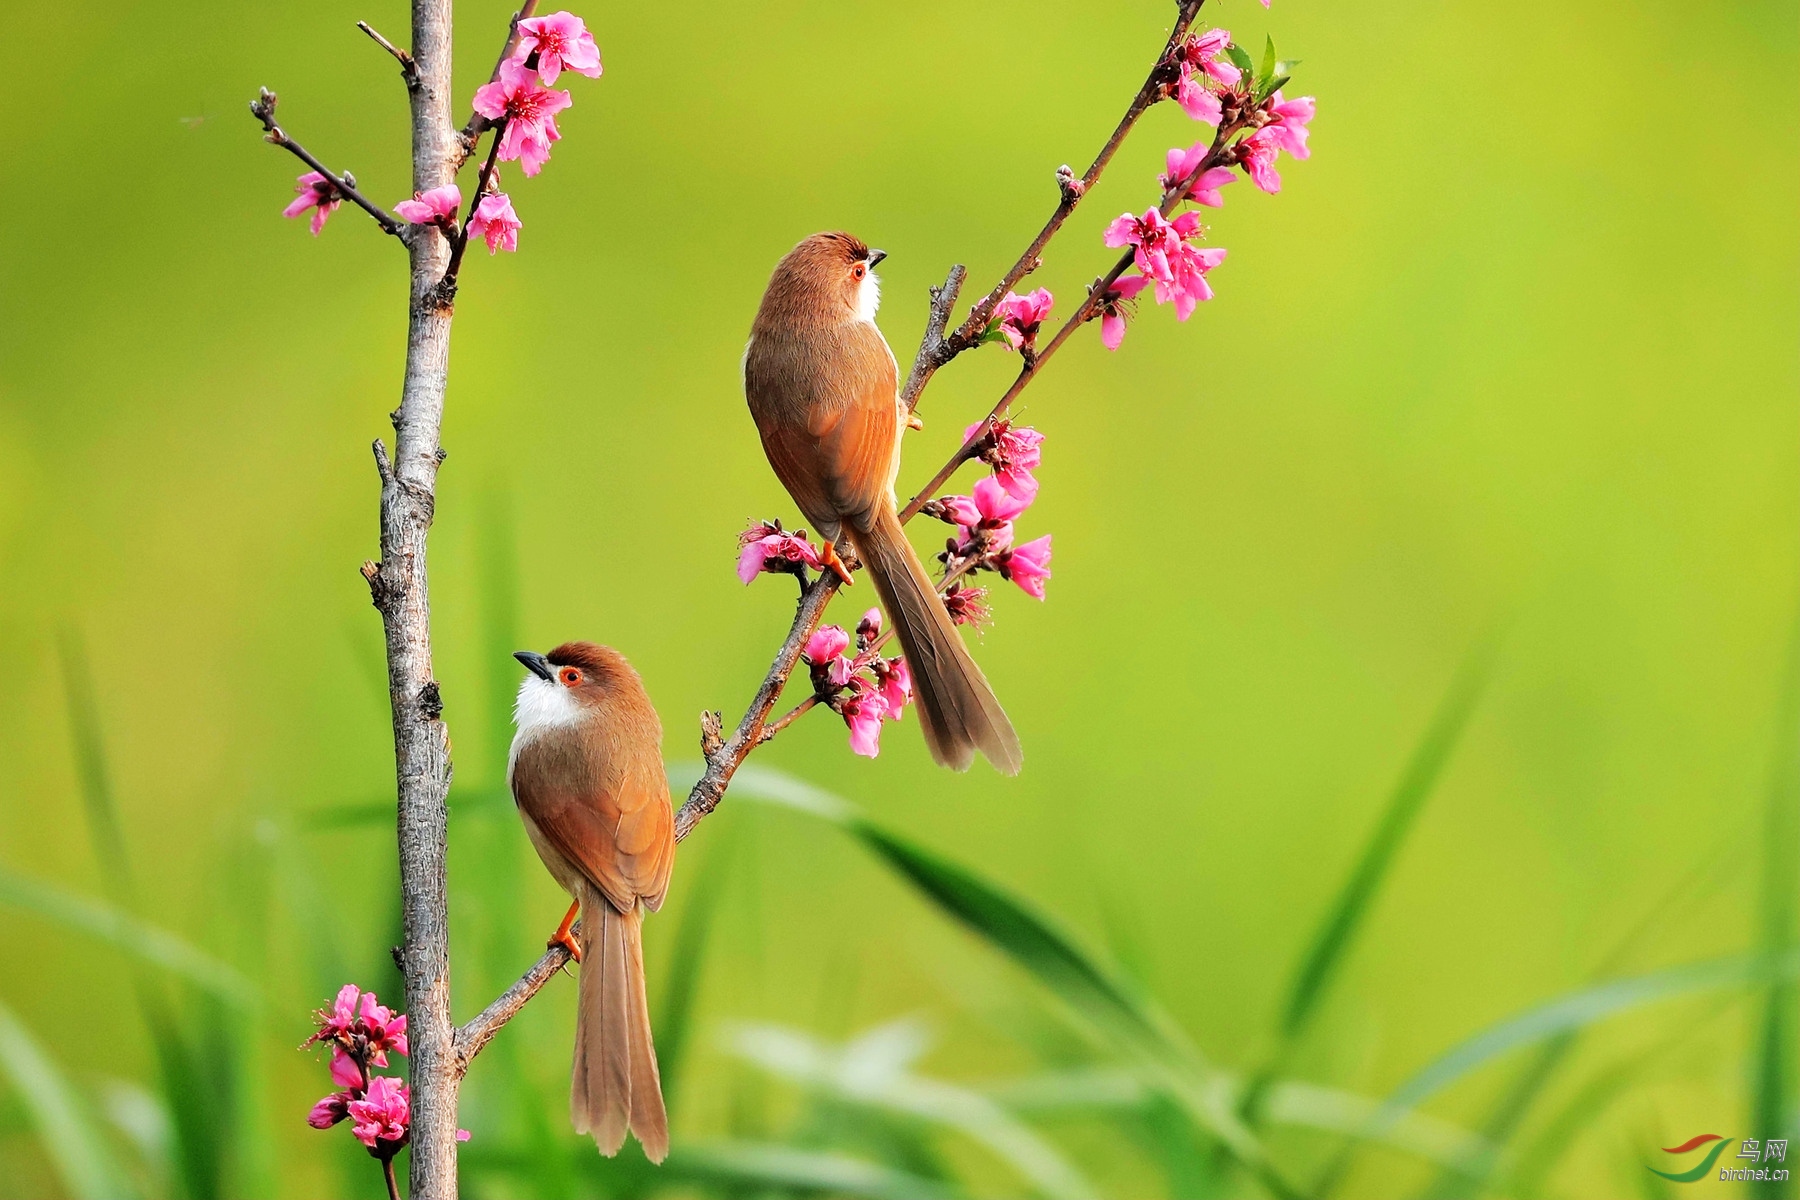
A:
(833, 445)
(615, 826)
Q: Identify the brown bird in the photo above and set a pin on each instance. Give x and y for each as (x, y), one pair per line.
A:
(823, 391)
(586, 770)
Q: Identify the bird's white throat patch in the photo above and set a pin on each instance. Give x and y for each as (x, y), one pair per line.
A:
(868, 297)
(543, 705)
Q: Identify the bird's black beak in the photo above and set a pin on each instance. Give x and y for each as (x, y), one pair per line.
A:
(537, 664)
(875, 257)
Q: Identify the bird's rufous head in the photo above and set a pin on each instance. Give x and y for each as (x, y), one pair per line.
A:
(828, 278)
(573, 681)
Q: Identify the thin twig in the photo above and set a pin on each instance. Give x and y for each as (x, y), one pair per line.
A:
(472, 130)
(1070, 191)
(263, 109)
(387, 1173)
(409, 70)
(1222, 153)
(447, 286)
(932, 353)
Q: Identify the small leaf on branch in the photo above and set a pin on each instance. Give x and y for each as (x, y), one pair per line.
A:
(1240, 58)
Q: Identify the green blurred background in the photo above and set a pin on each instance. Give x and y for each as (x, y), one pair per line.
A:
(1510, 363)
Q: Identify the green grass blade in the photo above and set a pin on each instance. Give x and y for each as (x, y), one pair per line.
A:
(1345, 917)
(71, 1137)
(147, 943)
(95, 779)
(875, 1069)
(1025, 936)
(1005, 921)
(1035, 943)
(1578, 1010)
(198, 1098)
(757, 1166)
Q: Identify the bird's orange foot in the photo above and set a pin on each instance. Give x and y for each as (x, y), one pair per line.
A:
(831, 562)
(564, 935)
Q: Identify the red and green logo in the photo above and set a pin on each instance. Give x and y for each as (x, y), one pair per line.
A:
(1719, 1142)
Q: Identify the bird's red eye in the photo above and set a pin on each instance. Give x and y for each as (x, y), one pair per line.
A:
(570, 676)
(858, 271)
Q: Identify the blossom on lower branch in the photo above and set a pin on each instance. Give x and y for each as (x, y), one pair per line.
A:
(1014, 451)
(317, 193)
(360, 1031)
(1017, 319)
(984, 521)
(496, 223)
(864, 690)
(438, 206)
(1163, 250)
(1116, 306)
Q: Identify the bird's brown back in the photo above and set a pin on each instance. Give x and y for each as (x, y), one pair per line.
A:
(822, 386)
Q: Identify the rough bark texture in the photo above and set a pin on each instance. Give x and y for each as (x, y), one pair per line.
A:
(400, 588)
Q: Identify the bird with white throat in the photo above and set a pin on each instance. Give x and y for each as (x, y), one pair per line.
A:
(586, 771)
(823, 390)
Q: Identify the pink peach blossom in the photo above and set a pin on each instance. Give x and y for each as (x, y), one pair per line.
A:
(383, 1112)
(1291, 119)
(869, 628)
(529, 111)
(1257, 155)
(438, 206)
(1014, 453)
(344, 1071)
(863, 711)
(1116, 306)
(985, 517)
(1151, 238)
(559, 40)
(496, 223)
(318, 193)
(967, 605)
(1198, 102)
(1201, 51)
(1203, 190)
(766, 548)
(1028, 566)
(1020, 316)
(825, 648)
(826, 643)
(329, 1111)
(335, 1022)
(895, 685)
(384, 1030)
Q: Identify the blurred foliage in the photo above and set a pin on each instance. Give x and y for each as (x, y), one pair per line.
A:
(1253, 919)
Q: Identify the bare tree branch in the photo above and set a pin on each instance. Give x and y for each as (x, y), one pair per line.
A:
(409, 70)
(263, 109)
(399, 586)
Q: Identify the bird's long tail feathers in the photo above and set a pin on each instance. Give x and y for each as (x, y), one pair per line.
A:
(617, 1086)
(956, 706)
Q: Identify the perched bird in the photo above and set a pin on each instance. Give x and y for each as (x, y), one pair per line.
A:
(823, 391)
(586, 771)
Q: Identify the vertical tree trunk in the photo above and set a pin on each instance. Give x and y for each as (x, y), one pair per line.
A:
(401, 590)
